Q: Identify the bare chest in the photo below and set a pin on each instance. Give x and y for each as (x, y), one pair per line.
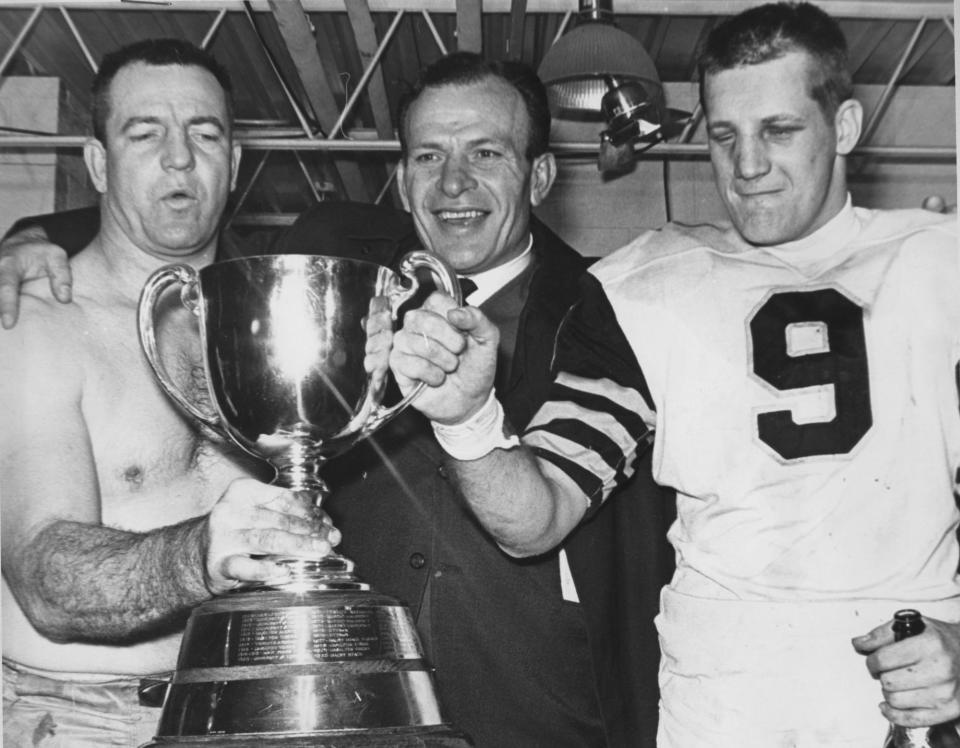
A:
(155, 466)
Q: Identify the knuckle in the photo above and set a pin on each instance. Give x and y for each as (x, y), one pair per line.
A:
(290, 523)
(270, 538)
(257, 539)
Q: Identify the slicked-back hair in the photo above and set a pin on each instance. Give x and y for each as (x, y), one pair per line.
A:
(768, 32)
(151, 52)
(465, 68)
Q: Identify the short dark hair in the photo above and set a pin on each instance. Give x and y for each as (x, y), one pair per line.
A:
(151, 52)
(769, 32)
(464, 68)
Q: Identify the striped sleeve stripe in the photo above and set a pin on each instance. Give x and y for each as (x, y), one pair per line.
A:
(613, 418)
(589, 484)
(633, 408)
(589, 430)
(608, 466)
(588, 447)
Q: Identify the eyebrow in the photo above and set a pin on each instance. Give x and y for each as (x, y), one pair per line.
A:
(769, 120)
(475, 143)
(784, 117)
(150, 120)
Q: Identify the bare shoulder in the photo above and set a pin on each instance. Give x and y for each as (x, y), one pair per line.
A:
(48, 340)
(41, 315)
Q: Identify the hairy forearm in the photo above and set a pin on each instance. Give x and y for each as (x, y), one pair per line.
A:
(78, 582)
(525, 511)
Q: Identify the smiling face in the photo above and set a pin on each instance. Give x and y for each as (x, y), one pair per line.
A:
(168, 163)
(775, 154)
(466, 178)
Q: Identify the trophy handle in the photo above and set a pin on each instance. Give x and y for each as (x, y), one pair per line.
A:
(156, 285)
(449, 284)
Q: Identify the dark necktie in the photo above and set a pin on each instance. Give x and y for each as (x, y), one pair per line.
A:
(467, 286)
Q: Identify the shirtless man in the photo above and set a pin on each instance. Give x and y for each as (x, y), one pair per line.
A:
(118, 515)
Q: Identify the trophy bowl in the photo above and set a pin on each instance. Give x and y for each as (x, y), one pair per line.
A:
(295, 353)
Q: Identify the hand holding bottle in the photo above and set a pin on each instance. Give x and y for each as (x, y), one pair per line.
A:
(917, 661)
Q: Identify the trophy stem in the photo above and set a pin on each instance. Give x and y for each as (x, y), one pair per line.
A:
(300, 472)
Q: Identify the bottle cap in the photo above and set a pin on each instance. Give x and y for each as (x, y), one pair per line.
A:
(906, 623)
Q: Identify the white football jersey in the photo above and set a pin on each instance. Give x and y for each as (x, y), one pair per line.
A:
(803, 398)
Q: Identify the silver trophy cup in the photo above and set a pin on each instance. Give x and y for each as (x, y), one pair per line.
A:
(295, 354)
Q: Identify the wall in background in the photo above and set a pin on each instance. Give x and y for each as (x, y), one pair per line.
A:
(40, 180)
(28, 176)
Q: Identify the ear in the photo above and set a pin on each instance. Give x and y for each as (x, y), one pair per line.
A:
(235, 152)
(95, 157)
(542, 176)
(848, 121)
(402, 184)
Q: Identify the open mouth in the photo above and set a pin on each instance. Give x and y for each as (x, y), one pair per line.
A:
(179, 197)
(456, 217)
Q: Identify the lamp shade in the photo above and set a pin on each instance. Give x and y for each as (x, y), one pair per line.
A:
(574, 68)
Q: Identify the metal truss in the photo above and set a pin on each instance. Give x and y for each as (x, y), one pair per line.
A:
(323, 128)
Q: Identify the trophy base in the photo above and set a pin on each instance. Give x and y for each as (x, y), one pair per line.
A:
(442, 736)
(333, 572)
(303, 667)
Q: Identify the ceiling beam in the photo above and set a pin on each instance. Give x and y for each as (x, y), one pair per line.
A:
(874, 119)
(298, 35)
(368, 47)
(19, 40)
(892, 9)
(470, 26)
(518, 14)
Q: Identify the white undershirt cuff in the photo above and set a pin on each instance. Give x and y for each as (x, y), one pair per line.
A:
(479, 435)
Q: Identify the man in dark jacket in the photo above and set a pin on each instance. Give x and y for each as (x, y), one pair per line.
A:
(554, 651)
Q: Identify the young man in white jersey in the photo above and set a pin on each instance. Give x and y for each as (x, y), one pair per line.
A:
(797, 370)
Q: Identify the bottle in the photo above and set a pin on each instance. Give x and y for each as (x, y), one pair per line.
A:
(910, 623)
